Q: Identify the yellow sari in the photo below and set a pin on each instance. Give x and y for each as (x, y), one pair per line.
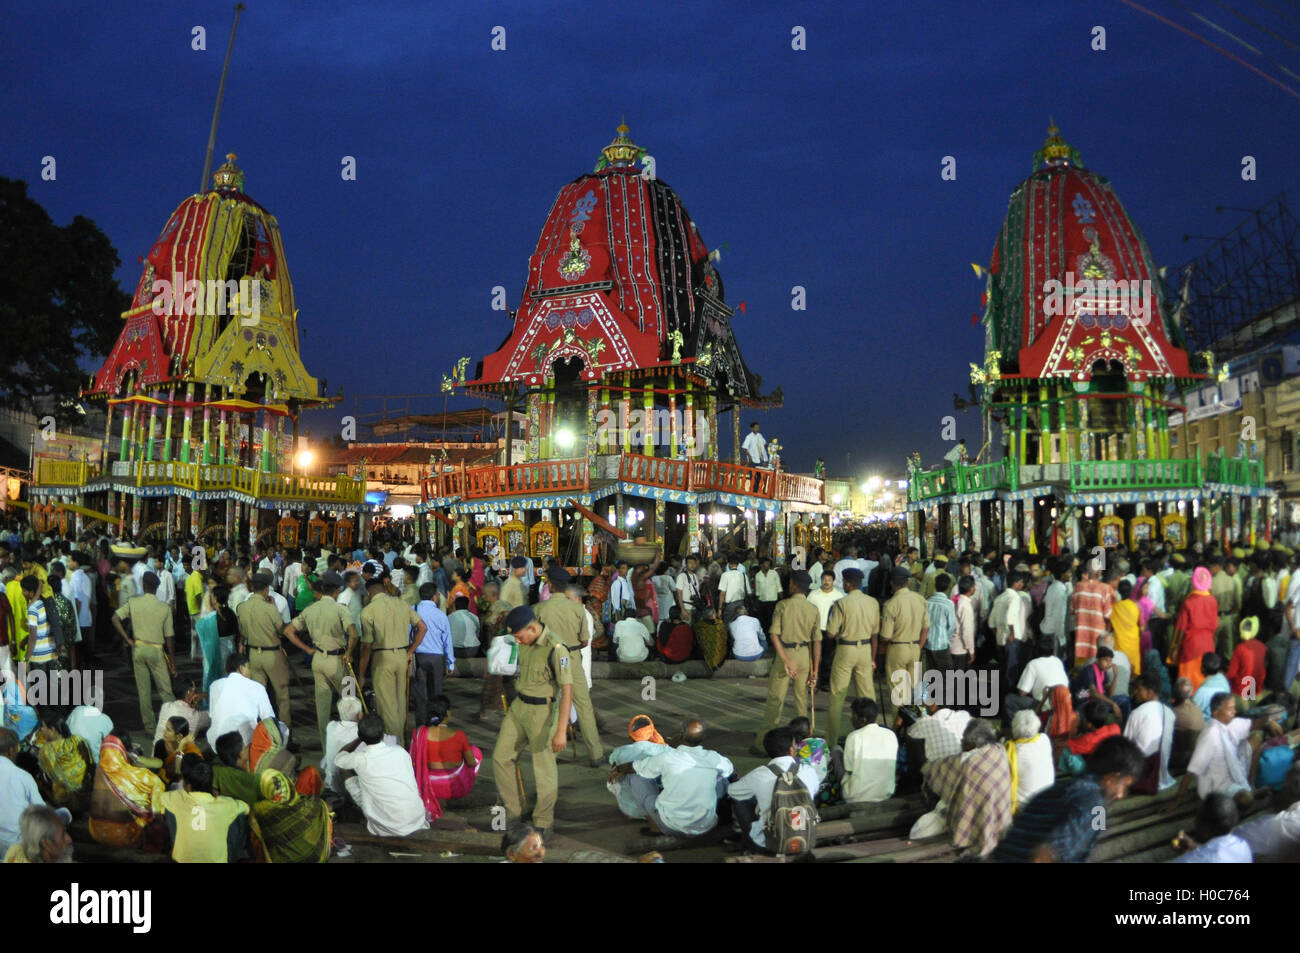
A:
(121, 802)
(1125, 619)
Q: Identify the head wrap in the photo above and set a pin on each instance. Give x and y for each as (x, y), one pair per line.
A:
(648, 733)
(1201, 579)
(276, 787)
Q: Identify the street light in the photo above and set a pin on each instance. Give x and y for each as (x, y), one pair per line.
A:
(305, 458)
(564, 438)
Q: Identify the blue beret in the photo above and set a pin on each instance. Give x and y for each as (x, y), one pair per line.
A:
(519, 617)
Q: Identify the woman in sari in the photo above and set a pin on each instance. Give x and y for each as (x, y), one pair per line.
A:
(1194, 629)
(647, 602)
(65, 760)
(445, 763)
(289, 827)
(1126, 621)
(175, 743)
(477, 570)
(122, 797)
(460, 587)
(1094, 727)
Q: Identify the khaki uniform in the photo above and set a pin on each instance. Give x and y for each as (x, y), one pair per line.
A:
(151, 627)
(259, 627)
(327, 623)
(1228, 595)
(568, 620)
(386, 628)
(901, 626)
(545, 667)
(798, 624)
(853, 621)
(512, 591)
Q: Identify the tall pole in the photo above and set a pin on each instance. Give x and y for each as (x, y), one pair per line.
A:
(216, 112)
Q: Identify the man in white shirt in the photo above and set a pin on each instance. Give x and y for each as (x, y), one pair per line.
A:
(1042, 674)
(747, 642)
(677, 789)
(767, 588)
(1221, 759)
(1056, 603)
(18, 790)
(464, 629)
(382, 782)
(239, 591)
(752, 794)
(870, 756)
(631, 640)
(1151, 725)
(1008, 620)
(1033, 752)
(338, 735)
(289, 589)
(621, 597)
(688, 588)
(941, 729)
(78, 588)
(733, 586)
(755, 447)
(850, 561)
(281, 604)
(237, 702)
(825, 597)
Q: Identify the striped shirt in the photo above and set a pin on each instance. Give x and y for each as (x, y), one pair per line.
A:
(1063, 817)
(1090, 604)
(41, 646)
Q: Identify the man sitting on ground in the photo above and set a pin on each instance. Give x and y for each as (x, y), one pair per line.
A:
(870, 756)
(1216, 681)
(1275, 838)
(204, 829)
(679, 788)
(230, 774)
(1060, 825)
(18, 790)
(1029, 754)
(43, 837)
(747, 641)
(383, 782)
(976, 785)
(1221, 761)
(1215, 842)
(1151, 728)
(1040, 676)
(751, 796)
(631, 639)
(238, 703)
(1189, 722)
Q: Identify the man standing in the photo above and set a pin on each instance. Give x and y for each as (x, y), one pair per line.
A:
(259, 631)
(1224, 589)
(433, 653)
(688, 588)
(513, 592)
(853, 625)
(1009, 622)
(621, 597)
(333, 636)
(733, 586)
(81, 591)
(903, 629)
(386, 625)
(545, 670)
(1091, 604)
(767, 587)
(755, 447)
(1056, 600)
(566, 620)
(796, 636)
(152, 641)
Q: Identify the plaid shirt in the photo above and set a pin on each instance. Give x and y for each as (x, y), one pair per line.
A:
(941, 732)
(977, 787)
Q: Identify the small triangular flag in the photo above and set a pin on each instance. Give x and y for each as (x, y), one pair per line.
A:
(741, 306)
(979, 272)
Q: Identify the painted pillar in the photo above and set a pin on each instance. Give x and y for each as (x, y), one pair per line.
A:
(153, 428)
(625, 412)
(187, 424)
(171, 514)
(1044, 426)
(1164, 433)
(690, 440)
(976, 525)
(137, 511)
(713, 439)
(1085, 440)
(266, 439)
(588, 543)
(230, 520)
(1141, 427)
(206, 455)
(692, 527)
(661, 511)
(954, 517)
(127, 413)
(648, 405)
(672, 417)
(606, 414)
(221, 439)
(778, 538)
(278, 458)
(1010, 534)
(1150, 419)
(593, 417)
(108, 437)
(112, 506)
(533, 447)
(735, 432)
(166, 454)
(1062, 425)
(253, 514)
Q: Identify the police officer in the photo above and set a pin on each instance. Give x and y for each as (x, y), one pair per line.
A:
(152, 641)
(512, 590)
(333, 636)
(568, 620)
(797, 638)
(546, 671)
(854, 623)
(903, 627)
(386, 624)
(259, 630)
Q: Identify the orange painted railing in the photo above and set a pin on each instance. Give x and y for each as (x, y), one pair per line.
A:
(800, 489)
(654, 471)
(548, 476)
(440, 485)
(731, 478)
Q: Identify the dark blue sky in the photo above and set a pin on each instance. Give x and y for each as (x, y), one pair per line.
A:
(818, 168)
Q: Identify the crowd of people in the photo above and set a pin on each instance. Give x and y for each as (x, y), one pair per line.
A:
(1132, 670)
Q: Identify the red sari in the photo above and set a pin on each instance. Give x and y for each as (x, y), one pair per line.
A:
(1197, 620)
(441, 783)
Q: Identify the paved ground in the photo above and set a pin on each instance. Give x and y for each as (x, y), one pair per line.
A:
(586, 816)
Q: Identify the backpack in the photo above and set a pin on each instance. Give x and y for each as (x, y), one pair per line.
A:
(791, 825)
(1274, 763)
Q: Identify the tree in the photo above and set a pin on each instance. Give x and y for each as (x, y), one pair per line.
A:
(59, 303)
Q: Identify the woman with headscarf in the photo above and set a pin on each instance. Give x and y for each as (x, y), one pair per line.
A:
(175, 743)
(121, 801)
(289, 827)
(1194, 629)
(445, 763)
(66, 763)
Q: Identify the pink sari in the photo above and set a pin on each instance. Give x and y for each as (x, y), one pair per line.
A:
(1145, 608)
(436, 783)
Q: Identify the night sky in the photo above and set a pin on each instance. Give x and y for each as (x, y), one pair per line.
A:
(818, 168)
